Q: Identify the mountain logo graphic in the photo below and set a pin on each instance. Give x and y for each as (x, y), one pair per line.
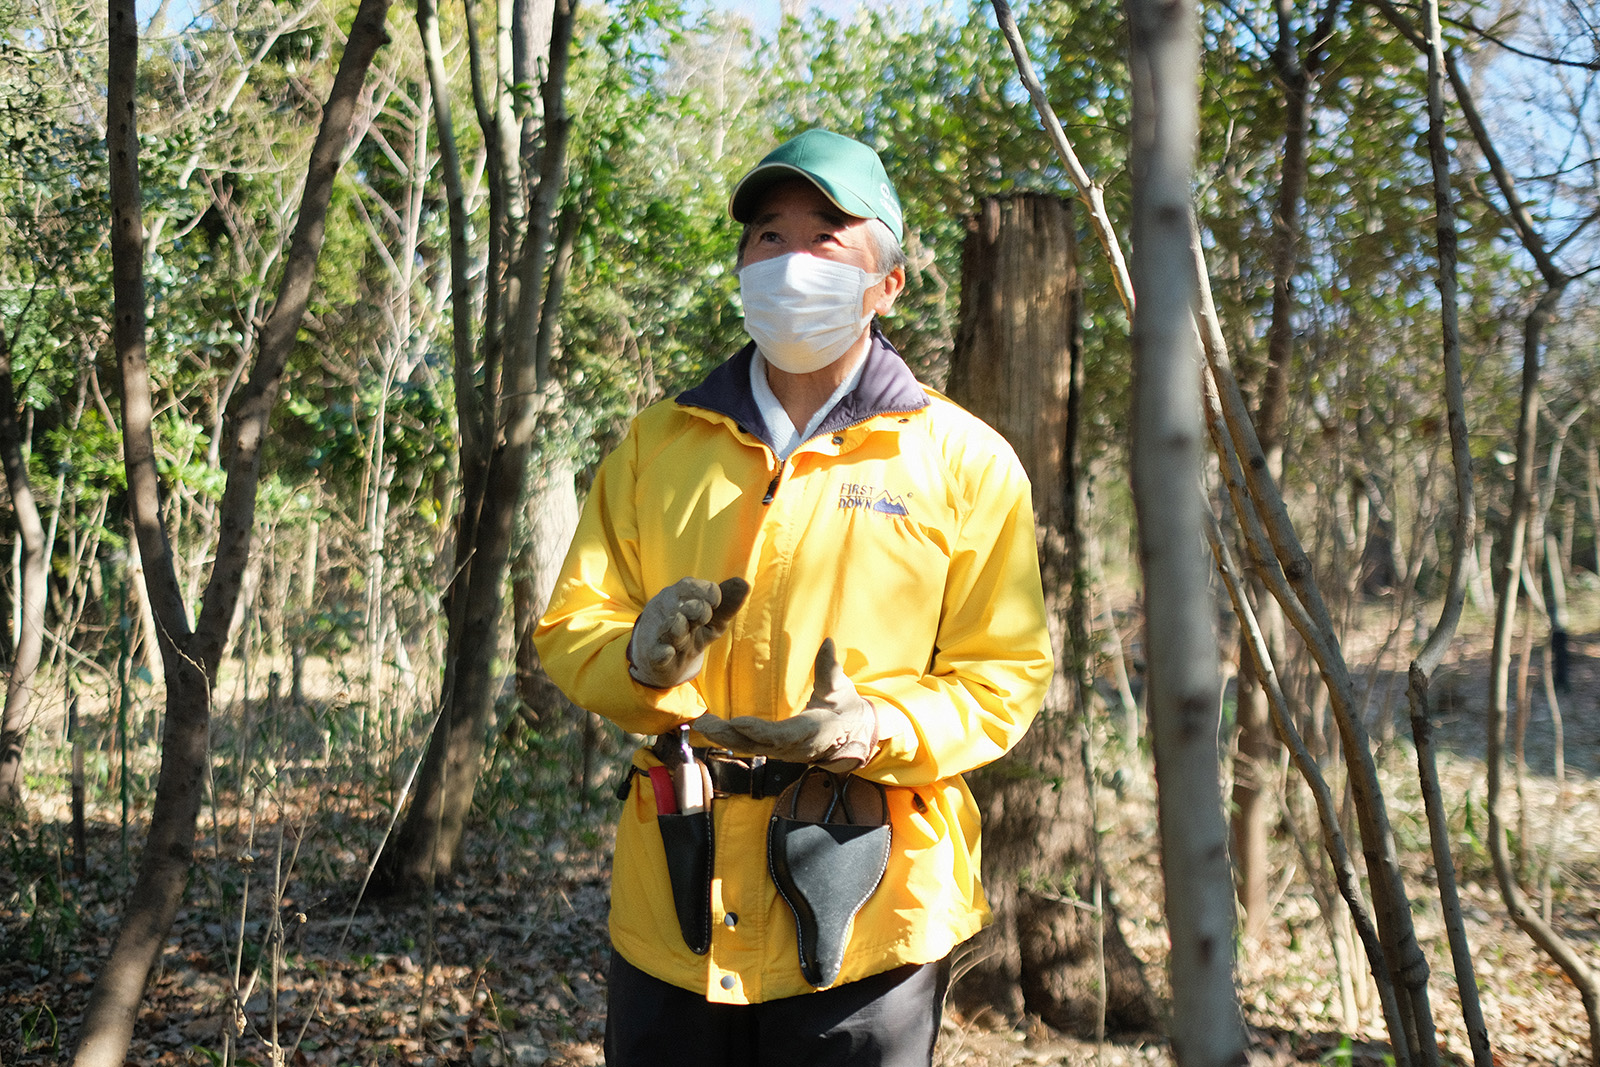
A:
(856, 495)
(885, 504)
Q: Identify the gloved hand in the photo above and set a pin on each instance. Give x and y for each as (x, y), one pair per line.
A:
(671, 634)
(837, 729)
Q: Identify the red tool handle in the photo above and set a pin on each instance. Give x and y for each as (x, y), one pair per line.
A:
(661, 785)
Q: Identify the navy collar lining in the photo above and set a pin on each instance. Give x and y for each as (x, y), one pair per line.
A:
(887, 386)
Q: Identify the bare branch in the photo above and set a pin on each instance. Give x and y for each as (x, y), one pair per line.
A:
(1090, 192)
(1496, 39)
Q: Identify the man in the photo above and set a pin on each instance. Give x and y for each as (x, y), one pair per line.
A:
(811, 560)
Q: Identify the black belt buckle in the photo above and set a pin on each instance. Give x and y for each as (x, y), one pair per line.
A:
(730, 776)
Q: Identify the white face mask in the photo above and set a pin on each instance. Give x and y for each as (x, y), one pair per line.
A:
(804, 312)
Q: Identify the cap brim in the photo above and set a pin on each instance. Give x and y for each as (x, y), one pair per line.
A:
(748, 193)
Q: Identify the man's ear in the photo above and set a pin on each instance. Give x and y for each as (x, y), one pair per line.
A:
(881, 297)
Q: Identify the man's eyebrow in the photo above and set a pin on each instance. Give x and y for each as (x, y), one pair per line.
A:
(832, 218)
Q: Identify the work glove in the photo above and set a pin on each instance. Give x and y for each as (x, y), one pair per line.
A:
(671, 634)
(837, 729)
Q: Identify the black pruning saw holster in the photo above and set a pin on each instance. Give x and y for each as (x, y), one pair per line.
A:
(685, 836)
(827, 849)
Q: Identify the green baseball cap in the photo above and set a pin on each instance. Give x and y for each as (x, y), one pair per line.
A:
(848, 173)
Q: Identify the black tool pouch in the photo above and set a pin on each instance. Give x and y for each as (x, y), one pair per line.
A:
(687, 840)
(827, 849)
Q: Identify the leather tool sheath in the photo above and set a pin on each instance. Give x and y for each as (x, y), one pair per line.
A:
(827, 849)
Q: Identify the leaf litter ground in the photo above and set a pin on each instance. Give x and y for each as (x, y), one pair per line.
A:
(507, 966)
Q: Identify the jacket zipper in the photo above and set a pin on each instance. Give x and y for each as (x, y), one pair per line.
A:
(836, 432)
(772, 486)
(778, 477)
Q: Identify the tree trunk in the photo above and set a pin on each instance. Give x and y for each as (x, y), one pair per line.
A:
(498, 426)
(1462, 530)
(428, 845)
(1569, 959)
(1012, 366)
(1173, 514)
(190, 656)
(1257, 745)
(382, 473)
(553, 517)
(1592, 493)
(149, 633)
(34, 569)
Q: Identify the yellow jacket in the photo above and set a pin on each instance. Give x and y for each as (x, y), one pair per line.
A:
(904, 531)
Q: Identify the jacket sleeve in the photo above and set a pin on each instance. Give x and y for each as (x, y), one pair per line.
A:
(992, 661)
(583, 637)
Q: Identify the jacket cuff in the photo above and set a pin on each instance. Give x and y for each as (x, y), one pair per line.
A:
(897, 738)
(627, 654)
(636, 707)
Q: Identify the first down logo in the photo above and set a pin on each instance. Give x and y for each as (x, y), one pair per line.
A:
(856, 495)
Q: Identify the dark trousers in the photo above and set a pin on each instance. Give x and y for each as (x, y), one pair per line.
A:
(887, 1020)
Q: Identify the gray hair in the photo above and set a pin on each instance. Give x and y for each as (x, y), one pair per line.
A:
(890, 254)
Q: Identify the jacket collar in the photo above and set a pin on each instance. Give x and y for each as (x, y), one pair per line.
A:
(887, 386)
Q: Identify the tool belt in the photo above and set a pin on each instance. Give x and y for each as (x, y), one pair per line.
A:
(827, 845)
(731, 776)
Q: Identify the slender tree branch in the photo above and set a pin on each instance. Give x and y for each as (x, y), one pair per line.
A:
(524, 374)
(1556, 281)
(1540, 932)
(1517, 213)
(252, 405)
(1496, 39)
(1462, 534)
(1577, 231)
(128, 333)
(1090, 192)
(1278, 558)
(469, 413)
(1346, 876)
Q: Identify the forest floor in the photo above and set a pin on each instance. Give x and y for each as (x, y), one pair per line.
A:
(507, 967)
